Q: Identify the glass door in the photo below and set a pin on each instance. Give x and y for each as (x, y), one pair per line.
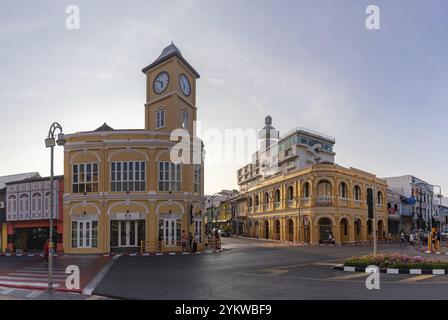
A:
(170, 231)
(127, 233)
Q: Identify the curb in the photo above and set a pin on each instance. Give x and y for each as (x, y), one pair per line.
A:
(27, 255)
(395, 271)
(300, 244)
(160, 254)
(146, 254)
(34, 288)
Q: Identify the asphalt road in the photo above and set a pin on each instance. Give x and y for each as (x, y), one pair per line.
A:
(256, 270)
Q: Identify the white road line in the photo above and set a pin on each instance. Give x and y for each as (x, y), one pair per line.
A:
(418, 278)
(99, 276)
(21, 278)
(7, 291)
(29, 284)
(34, 294)
(22, 274)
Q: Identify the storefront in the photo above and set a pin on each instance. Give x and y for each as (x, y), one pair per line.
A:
(127, 230)
(28, 237)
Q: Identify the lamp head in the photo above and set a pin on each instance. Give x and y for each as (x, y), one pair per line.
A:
(49, 142)
(61, 139)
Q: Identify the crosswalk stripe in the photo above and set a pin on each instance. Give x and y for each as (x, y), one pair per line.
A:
(7, 291)
(22, 278)
(30, 284)
(34, 294)
(21, 274)
(418, 278)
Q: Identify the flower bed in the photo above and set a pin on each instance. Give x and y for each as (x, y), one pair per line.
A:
(396, 261)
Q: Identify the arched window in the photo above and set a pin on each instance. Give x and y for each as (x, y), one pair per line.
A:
(250, 202)
(291, 193)
(357, 193)
(257, 200)
(306, 190)
(12, 204)
(380, 198)
(47, 201)
(36, 202)
(24, 203)
(324, 188)
(343, 190)
(266, 198)
(277, 195)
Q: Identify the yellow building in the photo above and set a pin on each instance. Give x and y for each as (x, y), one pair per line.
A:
(305, 205)
(122, 187)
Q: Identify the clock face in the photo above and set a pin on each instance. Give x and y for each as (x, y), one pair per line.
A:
(185, 85)
(161, 82)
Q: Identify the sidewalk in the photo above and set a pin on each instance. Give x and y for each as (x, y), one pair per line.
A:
(27, 294)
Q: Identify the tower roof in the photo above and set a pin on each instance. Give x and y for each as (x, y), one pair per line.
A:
(104, 128)
(168, 53)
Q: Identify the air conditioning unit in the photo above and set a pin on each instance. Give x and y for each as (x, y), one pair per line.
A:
(2, 205)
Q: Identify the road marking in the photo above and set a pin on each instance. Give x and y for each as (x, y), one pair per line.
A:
(99, 276)
(7, 291)
(34, 294)
(418, 278)
(350, 276)
(332, 264)
(275, 272)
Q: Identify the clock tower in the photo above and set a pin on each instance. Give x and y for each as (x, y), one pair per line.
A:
(170, 92)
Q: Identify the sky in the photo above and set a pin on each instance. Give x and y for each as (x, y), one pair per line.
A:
(381, 93)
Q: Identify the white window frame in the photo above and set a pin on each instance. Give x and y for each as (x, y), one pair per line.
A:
(84, 234)
(118, 182)
(185, 119)
(170, 177)
(197, 178)
(93, 181)
(160, 118)
(198, 229)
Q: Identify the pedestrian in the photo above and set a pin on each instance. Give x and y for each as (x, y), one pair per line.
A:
(190, 242)
(402, 239)
(46, 249)
(331, 238)
(411, 239)
(184, 241)
(197, 240)
(218, 240)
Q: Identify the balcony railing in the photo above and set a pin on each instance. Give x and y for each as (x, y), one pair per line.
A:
(289, 203)
(257, 208)
(266, 207)
(277, 205)
(343, 202)
(357, 203)
(324, 200)
(306, 201)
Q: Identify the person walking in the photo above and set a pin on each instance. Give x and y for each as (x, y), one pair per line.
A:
(197, 241)
(402, 239)
(411, 239)
(190, 242)
(46, 249)
(331, 238)
(184, 241)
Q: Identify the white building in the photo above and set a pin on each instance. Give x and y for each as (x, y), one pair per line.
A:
(297, 149)
(420, 196)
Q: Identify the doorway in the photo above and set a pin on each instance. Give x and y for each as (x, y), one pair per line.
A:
(127, 233)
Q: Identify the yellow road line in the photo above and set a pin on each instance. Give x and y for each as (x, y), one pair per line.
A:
(326, 264)
(418, 278)
(350, 276)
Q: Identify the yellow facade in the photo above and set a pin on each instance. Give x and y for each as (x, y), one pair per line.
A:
(307, 204)
(104, 208)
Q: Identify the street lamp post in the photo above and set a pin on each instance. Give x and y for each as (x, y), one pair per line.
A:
(50, 142)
